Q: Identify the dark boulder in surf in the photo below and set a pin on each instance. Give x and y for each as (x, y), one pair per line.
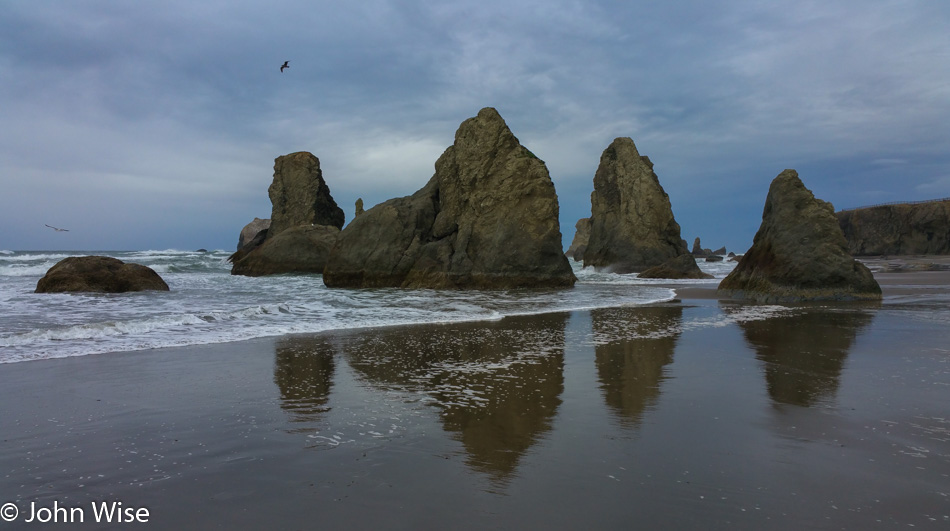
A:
(99, 274)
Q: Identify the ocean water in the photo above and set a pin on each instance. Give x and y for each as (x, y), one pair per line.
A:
(207, 305)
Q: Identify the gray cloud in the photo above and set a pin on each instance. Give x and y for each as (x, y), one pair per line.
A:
(155, 124)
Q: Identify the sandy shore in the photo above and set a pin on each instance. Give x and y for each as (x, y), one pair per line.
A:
(691, 413)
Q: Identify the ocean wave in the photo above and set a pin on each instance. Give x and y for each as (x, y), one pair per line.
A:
(331, 310)
(25, 270)
(31, 257)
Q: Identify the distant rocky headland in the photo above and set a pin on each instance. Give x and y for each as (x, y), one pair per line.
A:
(899, 229)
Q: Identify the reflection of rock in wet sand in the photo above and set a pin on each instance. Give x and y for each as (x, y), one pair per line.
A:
(633, 345)
(303, 371)
(805, 352)
(498, 385)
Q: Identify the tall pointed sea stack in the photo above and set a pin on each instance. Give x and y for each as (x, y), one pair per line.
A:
(300, 196)
(488, 218)
(799, 252)
(305, 222)
(632, 225)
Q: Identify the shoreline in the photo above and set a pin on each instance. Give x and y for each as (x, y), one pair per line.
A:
(478, 425)
(901, 278)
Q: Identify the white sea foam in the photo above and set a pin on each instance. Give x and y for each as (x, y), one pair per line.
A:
(208, 305)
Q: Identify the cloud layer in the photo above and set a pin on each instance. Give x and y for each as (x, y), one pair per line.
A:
(155, 124)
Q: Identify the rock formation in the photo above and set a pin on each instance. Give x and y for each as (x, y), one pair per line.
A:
(300, 196)
(488, 218)
(300, 249)
(721, 251)
(579, 243)
(799, 252)
(632, 225)
(698, 248)
(359, 207)
(303, 208)
(99, 274)
(251, 230)
(680, 267)
(922, 228)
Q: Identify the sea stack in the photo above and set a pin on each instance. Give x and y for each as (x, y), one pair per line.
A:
(799, 252)
(99, 274)
(304, 225)
(579, 243)
(300, 196)
(632, 225)
(488, 218)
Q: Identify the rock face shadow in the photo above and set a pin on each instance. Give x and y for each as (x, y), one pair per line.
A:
(803, 354)
(303, 372)
(633, 347)
(497, 386)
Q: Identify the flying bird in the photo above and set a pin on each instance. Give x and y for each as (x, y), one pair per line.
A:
(283, 66)
(57, 229)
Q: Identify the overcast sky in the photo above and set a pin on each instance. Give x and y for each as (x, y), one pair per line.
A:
(154, 125)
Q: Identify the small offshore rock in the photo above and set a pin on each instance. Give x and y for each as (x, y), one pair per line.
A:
(681, 267)
(99, 274)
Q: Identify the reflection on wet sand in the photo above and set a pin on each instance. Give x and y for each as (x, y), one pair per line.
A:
(497, 385)
(633, 345)
(804, 353)
(303, 371)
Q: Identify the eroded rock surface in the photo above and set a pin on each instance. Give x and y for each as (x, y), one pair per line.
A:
(632, 224)
(799, 252)
(488, 218)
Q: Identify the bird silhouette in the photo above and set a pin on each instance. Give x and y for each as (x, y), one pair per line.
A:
(285, 65)
(57, 229)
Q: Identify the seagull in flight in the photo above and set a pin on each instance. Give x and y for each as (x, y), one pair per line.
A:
(283, 66)
(57, 229)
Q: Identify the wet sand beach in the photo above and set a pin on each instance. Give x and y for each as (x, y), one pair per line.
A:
(698, 413)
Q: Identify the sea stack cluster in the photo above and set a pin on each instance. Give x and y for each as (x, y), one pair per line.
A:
(488, 218)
